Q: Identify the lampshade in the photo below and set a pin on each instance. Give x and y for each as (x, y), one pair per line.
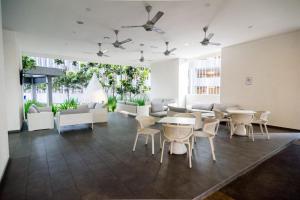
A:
(94, 92)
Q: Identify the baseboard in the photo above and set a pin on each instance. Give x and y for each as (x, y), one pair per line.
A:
(14, 131)
(284, 128)
(4, 171)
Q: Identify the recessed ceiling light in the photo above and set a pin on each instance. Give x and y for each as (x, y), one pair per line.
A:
(153, 47)
(142, 45)
(79, 22)
(186, 44)
(251, 26)
(88, 9)
(106, 37)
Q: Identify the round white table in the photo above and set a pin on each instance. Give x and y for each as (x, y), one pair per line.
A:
(178, 148)
(240, 128)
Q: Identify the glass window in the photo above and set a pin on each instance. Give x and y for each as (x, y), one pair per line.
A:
(205, 76)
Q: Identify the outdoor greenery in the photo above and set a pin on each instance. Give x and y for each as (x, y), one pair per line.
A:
(111, 104)
(59, 61)
(29, 103)
(28, 63)
(67, 104)
(120, 82)
(124, 82)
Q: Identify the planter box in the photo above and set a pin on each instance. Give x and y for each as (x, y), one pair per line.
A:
(133, 109)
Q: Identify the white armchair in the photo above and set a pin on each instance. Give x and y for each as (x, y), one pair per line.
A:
(40, 120)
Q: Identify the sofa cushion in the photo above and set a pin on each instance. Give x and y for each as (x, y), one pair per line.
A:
(33, 109)
(99, 106)
(80, 109)
(91, 105)
(203, 106)
(157, 106)
(44, 109)
(159, 114)
(177, 109)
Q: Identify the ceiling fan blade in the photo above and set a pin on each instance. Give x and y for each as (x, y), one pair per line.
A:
(158, 30)
(158, 15)
(214, 43)
(125, 41)
(210, 36)
(121, 47)
(172, 50)
(132, 26)
(105, 51)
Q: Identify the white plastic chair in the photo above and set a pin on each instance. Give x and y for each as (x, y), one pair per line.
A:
(143, 129)
(179, 134)
(222, 118)
(242, 119)
(262, 118)
(209, 131)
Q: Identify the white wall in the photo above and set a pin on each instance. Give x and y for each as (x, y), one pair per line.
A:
(164, 79)
(274, 65)
(4, 150)
(13, 92)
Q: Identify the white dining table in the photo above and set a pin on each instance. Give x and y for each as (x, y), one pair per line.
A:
(178, 148)
(240, 128)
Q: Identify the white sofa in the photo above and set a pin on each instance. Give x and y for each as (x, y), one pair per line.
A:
(133, 109)
(81, 115)
(99, 113)
(40, 120)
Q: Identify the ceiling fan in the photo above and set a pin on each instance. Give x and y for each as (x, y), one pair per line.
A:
(150, 24)
(119, 44)
(206, 39)
(168, 52)
(142, 58)
(100, 52)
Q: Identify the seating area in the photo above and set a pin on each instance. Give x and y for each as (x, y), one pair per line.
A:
(149, 99)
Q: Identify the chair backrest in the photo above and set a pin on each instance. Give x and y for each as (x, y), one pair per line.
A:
(262, 115)
(177, 133)
(198, 122)
(238, 118)
(219, 115)
(210, 126)
(144, 121)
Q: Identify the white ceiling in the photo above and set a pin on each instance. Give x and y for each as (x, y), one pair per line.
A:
(48, 27)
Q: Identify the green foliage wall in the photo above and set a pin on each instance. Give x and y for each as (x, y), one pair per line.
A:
(124, 82)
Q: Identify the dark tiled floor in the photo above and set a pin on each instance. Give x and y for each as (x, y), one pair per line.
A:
(276, 178)
(99, 164)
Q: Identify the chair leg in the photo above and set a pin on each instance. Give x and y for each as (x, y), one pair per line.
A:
(251, 128)
(162, 151)
(217, 129)
(135, 141)
(146, 139)
(160, 140)
(267, 132)
(152, 141)
(211, 142)
(190, 155)
(231, 130)
(261, 129)
(193, 141)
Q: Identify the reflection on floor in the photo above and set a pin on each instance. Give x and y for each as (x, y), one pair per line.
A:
(276, 178)
(98, 164)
